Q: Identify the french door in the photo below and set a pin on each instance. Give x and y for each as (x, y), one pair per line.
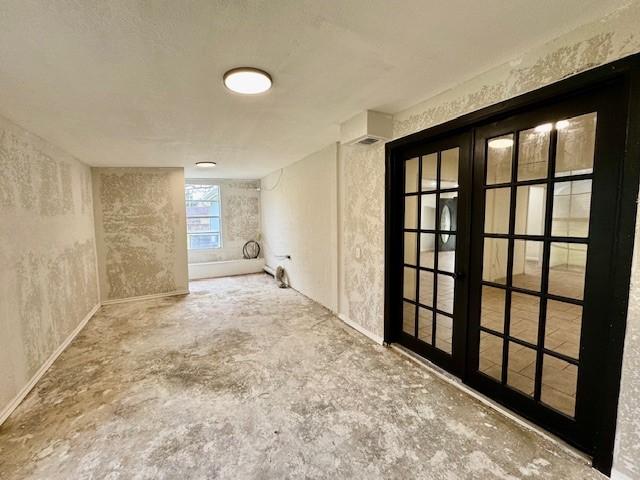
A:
(502, 256)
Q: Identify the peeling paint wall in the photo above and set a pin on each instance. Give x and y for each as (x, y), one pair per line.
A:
(362, 174)
(48, 274)
(140, 231)
(240, 210)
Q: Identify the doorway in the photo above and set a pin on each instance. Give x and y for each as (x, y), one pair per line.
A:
(501, 263)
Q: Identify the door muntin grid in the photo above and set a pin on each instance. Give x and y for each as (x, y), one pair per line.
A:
(541, 359)
(431, 216)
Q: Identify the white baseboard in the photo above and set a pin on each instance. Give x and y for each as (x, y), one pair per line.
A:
(379, 340)
(8, 410)
(618, 475)
(225, 268)
(145, 297)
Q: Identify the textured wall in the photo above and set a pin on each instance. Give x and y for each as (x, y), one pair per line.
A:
(362, 185)
(240, 210)
(48, 276)
(140, 231)
(299, 218)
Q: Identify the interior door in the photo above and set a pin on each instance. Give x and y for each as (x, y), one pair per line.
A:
(545, 196)
(435, 234)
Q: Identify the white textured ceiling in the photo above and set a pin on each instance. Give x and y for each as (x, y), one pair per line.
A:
(138, 83)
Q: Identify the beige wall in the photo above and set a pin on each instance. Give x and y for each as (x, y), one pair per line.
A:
(48, 276)
(299, 218)
(140, 231)
(240, 222)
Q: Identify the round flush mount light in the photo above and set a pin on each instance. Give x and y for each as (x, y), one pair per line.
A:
(500, 143)
(544, 128)
(206, 164)
(247, 80)
(561, 124)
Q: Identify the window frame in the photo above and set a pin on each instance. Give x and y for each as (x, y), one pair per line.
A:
(204, 183)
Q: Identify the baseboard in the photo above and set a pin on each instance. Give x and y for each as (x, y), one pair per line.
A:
(8, 410)
(145, 297)
(618, 475)
(379, 340)
(227, 268)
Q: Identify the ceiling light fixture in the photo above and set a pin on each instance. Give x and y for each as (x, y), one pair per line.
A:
(544, 128)
(247, 80)
(561, 124)
(206, 164)
(501, 143)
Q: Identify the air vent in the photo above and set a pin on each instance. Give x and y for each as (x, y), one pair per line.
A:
(368, 141)
(366, 128)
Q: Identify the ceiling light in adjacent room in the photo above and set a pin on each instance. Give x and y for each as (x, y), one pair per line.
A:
(501, 143)
(562, 124)
(205, 164)
(247, 80)
(544, 128)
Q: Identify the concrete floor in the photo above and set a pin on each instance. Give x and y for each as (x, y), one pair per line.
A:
(241, 379)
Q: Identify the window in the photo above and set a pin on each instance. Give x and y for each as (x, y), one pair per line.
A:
(203, 216)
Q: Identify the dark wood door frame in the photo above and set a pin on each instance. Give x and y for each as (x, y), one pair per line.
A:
(624, 72)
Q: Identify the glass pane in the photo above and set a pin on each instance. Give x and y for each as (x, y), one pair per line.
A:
(446, 290)
(496, 214)
(208, 193)
(567, 266)
(499, 156)
(203, 225)
(559, 380)
(449, 168)
(429, 172)
(411, 175)
(426, 288)
(492, 309)
(425, 325)
(521, 368)
(447, 254)
(408, 318)
(527, 264)
(444, 332)
(428, 214)
(571, 209)
(491, 355)
(530, 209)
(411, 212)
(448, 218)
(203, 209)
(409, 284)
(576, 143)
(533, 152)
(563, 328)
(410, 246)
(494, 266)
(525, 313)
(427, 249)
(203, 241)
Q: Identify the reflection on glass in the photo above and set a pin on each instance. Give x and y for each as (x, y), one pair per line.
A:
(425, 325)
(426, 288)
(559, 381)
(449, 168)
(411, 212)
(530, 209)
(450, 201)
(444, 332)
(527, 264)
(427, 249)
(409, 283)
(410, 248)
(429, 171)
(563, 328)
(492, 309)
(496, 213)
(499, 155)
(571, 209)
(533, 153)
(521, 368)
(491, 355)
(446, 287)
(411, 175)
(428, 212)
(445, 223)
(567, 266)
(494, 264)
(525, 313)
(576, 143)
(447, 258)
(408, 318)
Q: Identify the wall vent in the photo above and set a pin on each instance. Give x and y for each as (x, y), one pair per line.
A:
(368, 141)
(366, 128)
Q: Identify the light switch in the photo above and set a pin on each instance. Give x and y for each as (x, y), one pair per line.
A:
(358, 253)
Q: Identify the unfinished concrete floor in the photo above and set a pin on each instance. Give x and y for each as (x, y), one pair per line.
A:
(241, 379)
